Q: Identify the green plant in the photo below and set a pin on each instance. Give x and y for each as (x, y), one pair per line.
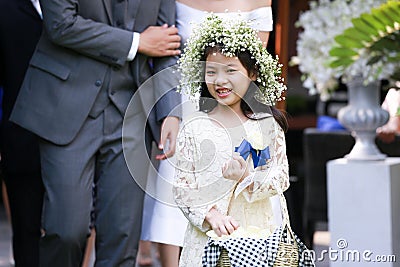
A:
(374, 41)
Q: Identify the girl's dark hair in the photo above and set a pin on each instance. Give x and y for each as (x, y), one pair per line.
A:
(248, 104)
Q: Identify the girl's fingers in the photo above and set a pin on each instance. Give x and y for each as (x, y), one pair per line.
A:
(217, 232)
(234, 223)
(224, 167)
(225, 226)
(216, 226)
(222, 230)
(240, 159)
(227, 168)
(226, 171)
(235, 164)
(229, 229)
(242, 162)
(229, 224)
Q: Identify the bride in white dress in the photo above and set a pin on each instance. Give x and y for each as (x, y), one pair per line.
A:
(162, 222)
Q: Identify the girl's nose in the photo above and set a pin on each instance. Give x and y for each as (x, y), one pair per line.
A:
(220, 78)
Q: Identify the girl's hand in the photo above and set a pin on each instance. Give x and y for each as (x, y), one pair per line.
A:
(235, 169)
(221, 224)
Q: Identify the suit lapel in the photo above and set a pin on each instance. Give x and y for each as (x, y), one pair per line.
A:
(108, 8)
(27, 7)
(133, 8)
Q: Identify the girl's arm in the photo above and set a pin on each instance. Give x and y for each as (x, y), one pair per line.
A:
(195, 192)
(276, 171)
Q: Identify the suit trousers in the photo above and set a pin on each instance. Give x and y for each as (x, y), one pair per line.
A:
(94, 157)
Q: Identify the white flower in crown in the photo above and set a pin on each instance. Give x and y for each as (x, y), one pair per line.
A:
(256, 140)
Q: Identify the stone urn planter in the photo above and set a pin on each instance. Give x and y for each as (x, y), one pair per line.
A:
(362, 116)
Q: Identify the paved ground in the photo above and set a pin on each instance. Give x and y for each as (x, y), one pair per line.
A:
(321, 239)
(5, 237)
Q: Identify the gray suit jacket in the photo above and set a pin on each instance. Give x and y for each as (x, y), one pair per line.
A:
(78, 46)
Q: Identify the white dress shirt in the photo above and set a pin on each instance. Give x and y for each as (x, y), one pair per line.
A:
(36, 5)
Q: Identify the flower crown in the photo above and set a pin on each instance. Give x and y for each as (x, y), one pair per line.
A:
(236, 36)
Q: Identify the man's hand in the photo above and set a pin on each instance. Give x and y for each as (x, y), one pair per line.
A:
(221, 224)
(235, 169)
(160, 41)
(169, 132)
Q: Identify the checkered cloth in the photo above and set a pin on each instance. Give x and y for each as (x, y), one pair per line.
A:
(252, 252)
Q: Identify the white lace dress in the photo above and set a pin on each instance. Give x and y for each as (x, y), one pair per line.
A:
(203, 147)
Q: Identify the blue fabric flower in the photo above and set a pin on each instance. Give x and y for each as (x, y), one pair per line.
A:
(259, 157)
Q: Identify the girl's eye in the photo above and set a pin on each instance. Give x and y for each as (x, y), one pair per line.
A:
(231, 70)
(210, 72)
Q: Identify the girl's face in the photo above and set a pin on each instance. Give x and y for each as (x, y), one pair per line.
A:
(227, 79)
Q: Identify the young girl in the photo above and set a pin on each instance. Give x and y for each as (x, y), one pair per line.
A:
(217, 188)
(157, 212)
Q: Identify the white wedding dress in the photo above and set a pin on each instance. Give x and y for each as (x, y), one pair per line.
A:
(162, 221)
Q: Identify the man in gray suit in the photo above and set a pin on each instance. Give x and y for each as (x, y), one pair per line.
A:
(90, 59)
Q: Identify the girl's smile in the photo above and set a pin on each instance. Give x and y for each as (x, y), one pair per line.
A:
(223, 92)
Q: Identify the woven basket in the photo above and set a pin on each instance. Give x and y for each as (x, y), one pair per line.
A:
(223, 260)
(288, 254)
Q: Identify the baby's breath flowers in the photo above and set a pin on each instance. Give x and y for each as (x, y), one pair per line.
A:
(236, 36)
(321, 23)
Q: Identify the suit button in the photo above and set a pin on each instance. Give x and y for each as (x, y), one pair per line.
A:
(119, 23)
(112, 92)
(98, 83)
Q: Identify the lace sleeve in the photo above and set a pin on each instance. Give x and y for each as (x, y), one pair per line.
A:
(277, 168)
(187, 188)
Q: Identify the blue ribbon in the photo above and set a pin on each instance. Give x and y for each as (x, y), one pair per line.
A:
(259, 157)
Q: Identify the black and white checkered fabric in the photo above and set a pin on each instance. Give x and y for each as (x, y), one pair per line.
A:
(305, 256)
(246, 252)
